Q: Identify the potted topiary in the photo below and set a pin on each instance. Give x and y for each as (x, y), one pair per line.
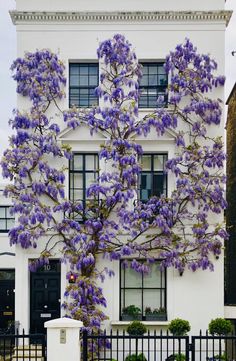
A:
(131, 313)
(220, 326)
(179, 327)
(136, 328)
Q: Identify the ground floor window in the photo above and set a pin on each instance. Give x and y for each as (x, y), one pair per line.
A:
(142, 294)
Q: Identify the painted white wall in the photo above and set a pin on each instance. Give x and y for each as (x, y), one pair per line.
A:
(122, 5)
(63, 338)
(198, 296)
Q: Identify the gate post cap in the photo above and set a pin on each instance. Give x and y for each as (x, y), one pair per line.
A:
(63, 322)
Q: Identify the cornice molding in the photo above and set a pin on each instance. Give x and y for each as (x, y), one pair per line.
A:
(27, 17)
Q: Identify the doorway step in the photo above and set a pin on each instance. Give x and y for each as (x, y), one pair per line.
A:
(28, 353)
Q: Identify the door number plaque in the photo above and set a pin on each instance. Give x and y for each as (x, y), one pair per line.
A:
(62, 335)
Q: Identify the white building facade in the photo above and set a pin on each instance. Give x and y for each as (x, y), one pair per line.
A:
(74, 29)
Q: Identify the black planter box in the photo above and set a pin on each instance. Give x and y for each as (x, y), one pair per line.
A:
(126, 317)
(156, 317)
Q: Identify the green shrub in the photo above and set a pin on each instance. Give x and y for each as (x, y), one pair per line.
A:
(136, 328)
(179, 327)
(179, 357)
(133, 357)
(131, 310)
(220, 326)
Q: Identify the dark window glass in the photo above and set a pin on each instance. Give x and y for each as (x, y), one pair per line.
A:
(153, 178)
(153, 85)
(7, 221)
(141, 289)
(83, 172)
(83, 81)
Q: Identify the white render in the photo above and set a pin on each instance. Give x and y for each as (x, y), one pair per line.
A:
(69, 345)
(197, 297)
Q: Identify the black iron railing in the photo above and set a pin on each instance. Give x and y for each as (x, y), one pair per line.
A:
(153, 346)
(120, 346)
(23, 347)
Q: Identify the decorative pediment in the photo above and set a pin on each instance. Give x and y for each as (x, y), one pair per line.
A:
(153, 136)
(81, 133)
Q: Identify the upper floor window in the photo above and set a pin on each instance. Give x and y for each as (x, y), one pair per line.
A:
(83, 172)
(152, 85)
(83, 81)
(153, 178)
(144, 291)
(7, 221)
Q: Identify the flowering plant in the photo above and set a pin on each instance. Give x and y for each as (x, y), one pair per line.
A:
(176, 229)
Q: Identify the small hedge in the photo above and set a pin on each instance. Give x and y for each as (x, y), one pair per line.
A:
(179, 327)
(220, 326)
(133, 357)
(136, 328)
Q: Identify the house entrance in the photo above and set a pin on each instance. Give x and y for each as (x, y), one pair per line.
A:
(7, 298)
(45, 293)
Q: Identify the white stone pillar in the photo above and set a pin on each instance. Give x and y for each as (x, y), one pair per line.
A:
(63, 339)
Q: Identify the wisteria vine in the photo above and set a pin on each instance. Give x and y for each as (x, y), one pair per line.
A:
(116, 224)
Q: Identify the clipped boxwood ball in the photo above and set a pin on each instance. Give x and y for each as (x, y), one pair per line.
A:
(220, 326)
(136, 328)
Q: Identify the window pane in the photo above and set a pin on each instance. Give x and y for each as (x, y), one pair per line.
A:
(153, 80)
(10, 223)
(93, 70)
(83, 69)
(151, 298)
(144, 69)
(144, 80)
(143, 102)
(158, 184)
(133, 297)
(76, 194)
(74, 70)
(162, 79)
(7, 275)
(83, 80)
(153, 278)
(153, 68)
(8, 212)
(2, 212)
(78, 162)
(93, 81)
(146, 162)
(90, 178)
(90, 162)
(146, 186)
(158, 162)
(78, 180)
(3, 224)
(132, 278)
(74, 80)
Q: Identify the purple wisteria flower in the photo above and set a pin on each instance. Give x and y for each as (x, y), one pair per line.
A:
(114, 223)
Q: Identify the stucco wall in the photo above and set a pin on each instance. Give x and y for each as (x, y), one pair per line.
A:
(198, 296)
(123, 5)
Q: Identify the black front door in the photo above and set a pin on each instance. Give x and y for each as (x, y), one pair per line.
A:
(45, 296)
(7, 297)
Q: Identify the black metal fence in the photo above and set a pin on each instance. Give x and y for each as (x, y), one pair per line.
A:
(120, 346)
(22, 347)
(153, 346)
(213, 348)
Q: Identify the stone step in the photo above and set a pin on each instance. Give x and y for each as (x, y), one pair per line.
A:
(28, 353)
